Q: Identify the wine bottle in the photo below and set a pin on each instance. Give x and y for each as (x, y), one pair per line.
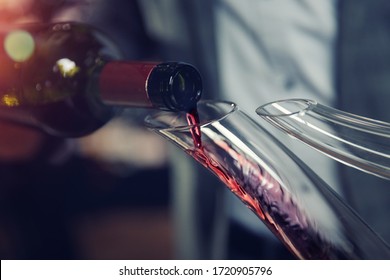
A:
(69, 79)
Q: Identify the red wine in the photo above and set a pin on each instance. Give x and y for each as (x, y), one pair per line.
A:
(67, 78)
(194, 124)
(295, 204)
(267, 199)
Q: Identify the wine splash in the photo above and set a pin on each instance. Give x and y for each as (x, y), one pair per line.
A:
(267, 199)
(261, 203)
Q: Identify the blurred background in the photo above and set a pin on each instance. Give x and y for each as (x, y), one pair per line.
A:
(124, 193)
(106, 196)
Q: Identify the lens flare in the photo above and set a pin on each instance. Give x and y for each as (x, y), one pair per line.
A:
(9, 100)
(67, 67)
(19, 45)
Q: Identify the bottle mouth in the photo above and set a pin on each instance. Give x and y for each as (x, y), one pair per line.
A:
(174, 86)
(186, 88)
(284, 108)
(209, 111)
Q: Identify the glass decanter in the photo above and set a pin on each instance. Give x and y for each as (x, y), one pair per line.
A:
(294, 203)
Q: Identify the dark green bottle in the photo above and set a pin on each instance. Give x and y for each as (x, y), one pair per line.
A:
(68, 79)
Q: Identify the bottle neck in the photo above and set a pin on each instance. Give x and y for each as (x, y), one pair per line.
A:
(124, 83)
(173, 86)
